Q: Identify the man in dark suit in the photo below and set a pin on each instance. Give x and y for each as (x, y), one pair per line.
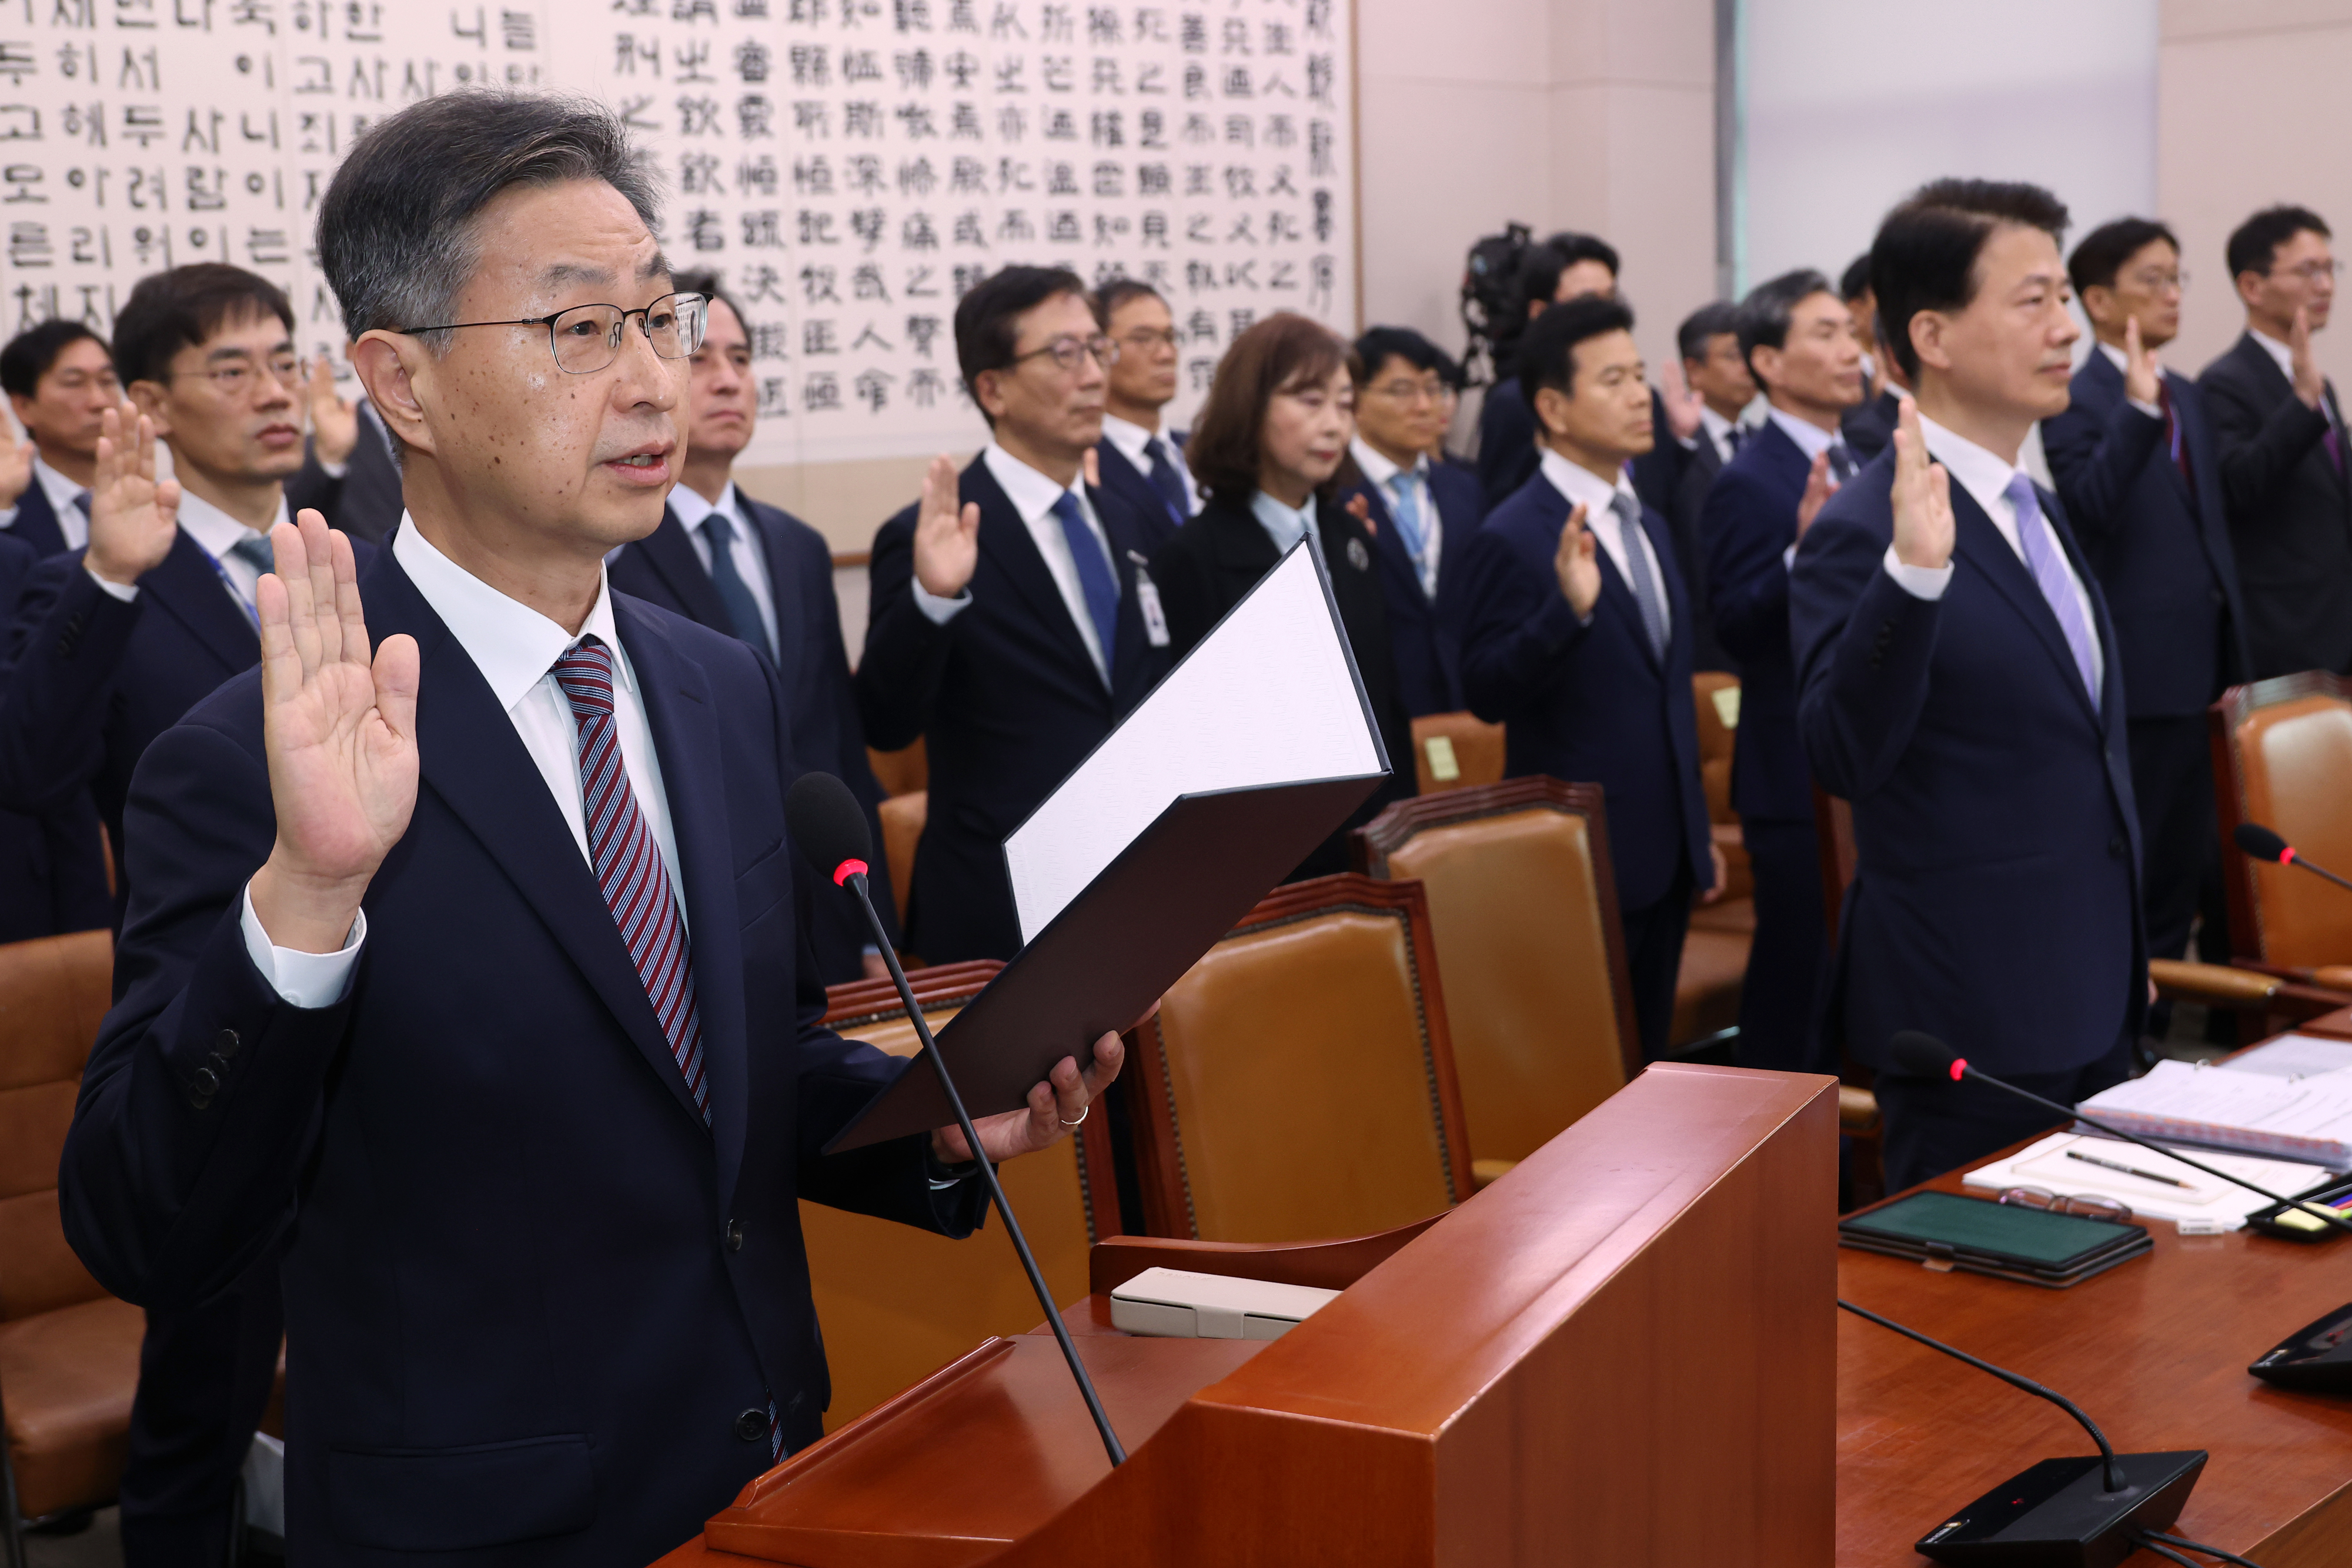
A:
(1139, 462)
(1569, 267)
(1800, 339)
(1010, 627)
(1422, 511)
(469, 970)
(1960, 687)
(1576, 634)
(757, 572)
(1708, 344)
(1869, 424)
(2279, 431)
(2136, 467)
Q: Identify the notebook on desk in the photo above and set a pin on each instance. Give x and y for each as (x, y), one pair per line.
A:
(1943, 1230)
(2305, 1118)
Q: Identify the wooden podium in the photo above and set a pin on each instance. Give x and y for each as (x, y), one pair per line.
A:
(1624, 1351)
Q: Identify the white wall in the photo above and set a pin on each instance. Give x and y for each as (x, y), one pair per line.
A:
(1852, 103)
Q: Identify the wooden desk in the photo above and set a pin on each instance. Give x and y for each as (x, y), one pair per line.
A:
(2337, 1025)
(2155, 1350)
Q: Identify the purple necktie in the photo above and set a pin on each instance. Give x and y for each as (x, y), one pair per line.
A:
(2057, 585)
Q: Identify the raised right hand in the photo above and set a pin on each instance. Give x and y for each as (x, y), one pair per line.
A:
(2309, 384)
(947, 541)
(1819, 488)
(1922, 497)
(1578, 565)
(133, 514)
(340, 729)
(15, 465)
(2143, 377)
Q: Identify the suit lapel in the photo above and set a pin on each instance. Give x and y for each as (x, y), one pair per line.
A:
(1388, 541)
(685, 724)
(1132, 483)
(1004, 539)
(36, 521)
(670, 552)
(784, 583)
(1240, 547)
(1977, 541)
(1126, 556)
(187, 586)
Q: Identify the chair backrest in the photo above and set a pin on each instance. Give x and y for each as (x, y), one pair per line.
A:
(896, 1303)
(1833, 831)
(1456, 751)
(1523, 912)
(1716, 694)
(1298, 1082)
(903, 817)
(2283, 756)
(53, 992)
(901, 772)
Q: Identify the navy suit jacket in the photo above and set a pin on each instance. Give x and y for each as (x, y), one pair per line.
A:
(1995, 898)
(1422, 646)
(1155, 519)
(812, 662)
(52, 874)
(1869, 427)
(529, 1294)
(1590, 703)
(1507, 457)
(2290, 513)
(1749, 521)
(2161, 550)
(37, 523)
(1005, 699)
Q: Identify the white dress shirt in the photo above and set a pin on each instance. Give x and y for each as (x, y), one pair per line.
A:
(2117, 357)
(215, 532)
(1131, 439)
(1033, 497)
(1285, 526)
(1985, 476)
(60, 492)
(1581, 484)
(751, 560)
(1385, 476)
(2283, 356)
(1718, 431)
(515, 648)
(1811, 439)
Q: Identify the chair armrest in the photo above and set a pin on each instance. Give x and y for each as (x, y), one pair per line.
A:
(2333, 977)
(1485, 1173)
(1857, 1109)
(2217, 985)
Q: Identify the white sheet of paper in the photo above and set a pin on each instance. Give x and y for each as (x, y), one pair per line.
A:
(2318, 1108)
(2045, 1165)
(2294, 1056)
(1266, 698)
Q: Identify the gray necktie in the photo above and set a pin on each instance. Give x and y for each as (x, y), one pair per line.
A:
(255, 551)
(1638, 576)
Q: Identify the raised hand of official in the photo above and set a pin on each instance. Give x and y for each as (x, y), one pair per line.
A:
(15, 464)
(334, 422)
(134, 515)
(1922, 497)
(1055, 1108)
(947, 539)
(340, 729)
(1577, 566)
(1682, 402)
(2143, 376)
(1819, 488)
(2310, 384)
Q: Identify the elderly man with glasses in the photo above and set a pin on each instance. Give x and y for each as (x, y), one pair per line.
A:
(462, 960)
(1013, 622)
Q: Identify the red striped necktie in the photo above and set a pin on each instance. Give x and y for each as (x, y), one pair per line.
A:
(628, 862)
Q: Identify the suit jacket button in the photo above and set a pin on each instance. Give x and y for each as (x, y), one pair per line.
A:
(225, 1043)
(205, 1084)
(751, 1425)
(734, 1236)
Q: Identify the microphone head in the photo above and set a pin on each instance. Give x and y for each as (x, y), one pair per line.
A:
(2262, 844)
(826, 821)
(1917, 1055)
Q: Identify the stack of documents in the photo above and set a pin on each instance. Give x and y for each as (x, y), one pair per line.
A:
(2306, 1118)
(2068, 1163)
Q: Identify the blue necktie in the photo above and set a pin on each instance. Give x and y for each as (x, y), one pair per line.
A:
(1166, 480)
(1843, 467)
(81, 505)
(1094, 577)
(742, 609)
(1404, 506)
(2051, 576)
(1637, 572)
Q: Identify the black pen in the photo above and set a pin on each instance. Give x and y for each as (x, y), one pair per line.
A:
(2128, 1170)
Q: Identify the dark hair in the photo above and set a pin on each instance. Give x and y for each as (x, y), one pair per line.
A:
(1924, 258)
(1280, 352)
(1770, 305)
(988, 319)
(1708, 321)
(1450, 371)
(2253, 245)
(32, 353)
(1117, 292)
(1379, 346)
(1855, 281)
(1548, 353)
(168, 311)
(396, 231)
(2104, 251)
(703, 280)
(1540, 270)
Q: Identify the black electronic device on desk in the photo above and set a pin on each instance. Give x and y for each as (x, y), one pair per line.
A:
(2296, 1223)
(2315, 1358)
(1944, 1231)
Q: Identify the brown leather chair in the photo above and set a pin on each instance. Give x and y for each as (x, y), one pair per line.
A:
(1456, 751)
(903, 817)
(1523, 915)
(1717, 700)
(2281, 757)
(896, 1304)
(68, 1351)
(901, 772)
(1298, 1081)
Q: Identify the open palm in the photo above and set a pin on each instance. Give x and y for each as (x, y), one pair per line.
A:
(134, 515)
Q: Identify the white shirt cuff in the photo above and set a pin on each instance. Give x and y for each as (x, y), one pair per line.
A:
(334, 470)
(7, 516)
(1926, 583)
(125, 592)
(936, 611)
(2154, 411)
(1789, 558)
(302, 979)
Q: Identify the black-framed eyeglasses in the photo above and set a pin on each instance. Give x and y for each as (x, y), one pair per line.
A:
(2089, 1205)
(238, 377)
(1067, 352)
(587, 338)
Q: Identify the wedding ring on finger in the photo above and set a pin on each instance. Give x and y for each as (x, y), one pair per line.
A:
(1083, 1113)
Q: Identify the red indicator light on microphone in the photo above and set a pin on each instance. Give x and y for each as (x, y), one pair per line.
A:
(1959, 1068)
(848, 869)
(2286, 855)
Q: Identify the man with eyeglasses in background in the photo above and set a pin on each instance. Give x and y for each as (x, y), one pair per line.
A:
(1423, 510)
(1012, 623)
(1140, 463)
(2280, 433)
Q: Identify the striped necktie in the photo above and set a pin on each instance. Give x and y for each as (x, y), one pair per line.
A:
(1638, 576)
(2057, 584)
(628, 862)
